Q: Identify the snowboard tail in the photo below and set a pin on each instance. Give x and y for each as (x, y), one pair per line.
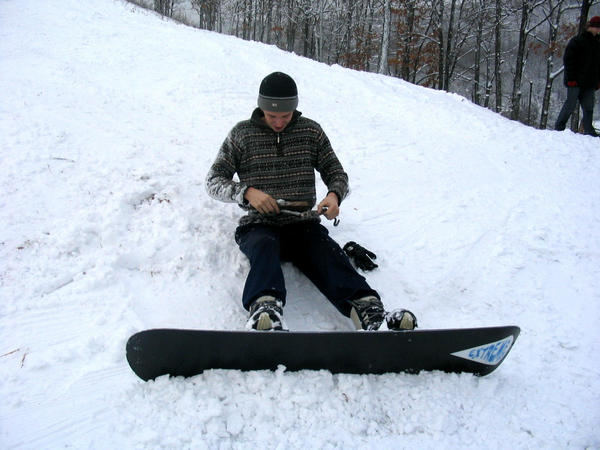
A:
(175, 352)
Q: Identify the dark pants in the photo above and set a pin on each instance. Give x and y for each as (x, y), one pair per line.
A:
(309, 247)
(586, 98)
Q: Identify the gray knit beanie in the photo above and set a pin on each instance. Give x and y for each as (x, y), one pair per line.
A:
(278, 93)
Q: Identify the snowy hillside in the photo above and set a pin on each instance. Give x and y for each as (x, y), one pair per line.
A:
(109, 120)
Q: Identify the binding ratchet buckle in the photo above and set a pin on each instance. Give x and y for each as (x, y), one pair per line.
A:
(298, 209)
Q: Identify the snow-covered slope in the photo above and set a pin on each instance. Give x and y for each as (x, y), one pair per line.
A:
(109, 120)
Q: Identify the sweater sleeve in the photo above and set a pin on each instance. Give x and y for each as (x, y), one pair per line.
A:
(330, 168)
(219, 180)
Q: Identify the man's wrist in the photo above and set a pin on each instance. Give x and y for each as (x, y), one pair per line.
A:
(337, 197)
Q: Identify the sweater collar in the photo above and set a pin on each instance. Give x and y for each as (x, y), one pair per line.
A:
(258, 118)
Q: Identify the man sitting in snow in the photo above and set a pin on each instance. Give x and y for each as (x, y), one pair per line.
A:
(582, 76)
(275, 154)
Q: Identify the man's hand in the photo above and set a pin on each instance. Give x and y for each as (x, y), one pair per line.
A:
(262, 202)
(331, 203)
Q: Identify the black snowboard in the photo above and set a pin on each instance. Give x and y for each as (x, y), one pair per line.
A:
(157, 352)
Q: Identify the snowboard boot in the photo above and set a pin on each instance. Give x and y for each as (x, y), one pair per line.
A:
(400, 319)
(266, 314)
(367, 313)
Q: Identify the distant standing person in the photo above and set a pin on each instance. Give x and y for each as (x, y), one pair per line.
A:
(582, 76)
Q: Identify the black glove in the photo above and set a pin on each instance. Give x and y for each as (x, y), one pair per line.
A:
(361, 256)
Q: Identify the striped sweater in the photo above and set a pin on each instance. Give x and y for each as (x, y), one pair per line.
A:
(281, 164)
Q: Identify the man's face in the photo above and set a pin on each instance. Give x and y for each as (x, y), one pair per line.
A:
(595, 31)
(277, 121)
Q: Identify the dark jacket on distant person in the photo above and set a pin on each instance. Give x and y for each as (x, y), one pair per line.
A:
(582, 61)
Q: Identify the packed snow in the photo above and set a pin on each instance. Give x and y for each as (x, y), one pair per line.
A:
(110, 117)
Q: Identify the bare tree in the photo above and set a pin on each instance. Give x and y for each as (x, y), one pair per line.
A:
(583, 16)
(553, 13)
(385, 38)
(481, 18)
(164, 7)
(209, 13)
(498, 55)
(525, 10)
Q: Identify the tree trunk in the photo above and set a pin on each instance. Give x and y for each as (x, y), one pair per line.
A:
(553, 20)
(583, 17)
(449, 51)
(477, 66)
(441, 57)
(520, 62)
(291, 28)
(407, 51)
(498, 55)
(385, 39)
